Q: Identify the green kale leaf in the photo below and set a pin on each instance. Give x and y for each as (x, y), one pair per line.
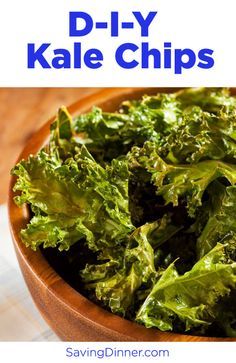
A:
(192, 297)
(177, 181)
(221, 221)
(74, 200)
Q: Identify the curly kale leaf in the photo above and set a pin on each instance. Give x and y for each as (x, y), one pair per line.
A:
(221, 221)
(180, 181)
(109, 261)
(209, 99)
(192, 297)
(117, 291)
(74, 201)
(132, 267)
(108, 135)
(202, 135)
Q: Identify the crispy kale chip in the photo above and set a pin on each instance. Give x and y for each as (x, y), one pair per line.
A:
(108, 135)
(123, 271)
(174, 182)
(209, 99)
(74, 198)
(192, 297)
(202, 135)
(221, 222)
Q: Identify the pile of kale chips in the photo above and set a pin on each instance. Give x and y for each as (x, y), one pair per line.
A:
(150, 192)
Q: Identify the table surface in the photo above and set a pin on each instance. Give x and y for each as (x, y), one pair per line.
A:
(22, 112)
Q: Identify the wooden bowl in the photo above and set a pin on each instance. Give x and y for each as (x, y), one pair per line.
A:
(72, 316)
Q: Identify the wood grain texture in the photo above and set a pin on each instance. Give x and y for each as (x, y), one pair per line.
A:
(22, 112)
(72, 316)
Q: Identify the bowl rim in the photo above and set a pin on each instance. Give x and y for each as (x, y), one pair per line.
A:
(37, 263)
